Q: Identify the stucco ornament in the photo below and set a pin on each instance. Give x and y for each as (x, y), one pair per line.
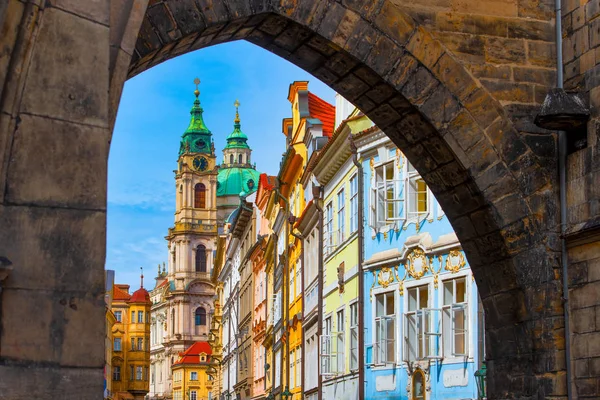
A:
(455, 261)
(385, 277)
(417, 264)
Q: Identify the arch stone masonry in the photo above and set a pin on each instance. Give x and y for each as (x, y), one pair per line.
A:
(455, 84)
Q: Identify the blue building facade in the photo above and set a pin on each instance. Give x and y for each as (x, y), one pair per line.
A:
(423, 322)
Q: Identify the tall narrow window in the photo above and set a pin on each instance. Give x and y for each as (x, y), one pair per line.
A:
(341, 333)
(418, 386)
(418, 202)
(354, 203)
(231, 159)
(422, 326)
(119, 316)
(116, 373)
(199, 196)
(240, 159)
(200, 317)
(354, 336)
(329, 229)
(117, 344)
(385, 325)
(454, 313)
(341, 206)
(387, 196)
(201, 259)
(140, 317)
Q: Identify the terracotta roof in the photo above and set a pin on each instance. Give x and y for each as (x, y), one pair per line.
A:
(140, 296)
(267, 181)
(192, 354)
(325, 112)
(120, 294)
(163, 283)
(299, 220)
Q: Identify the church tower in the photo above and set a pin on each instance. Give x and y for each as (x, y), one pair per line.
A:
(182, 301)
(237, 174)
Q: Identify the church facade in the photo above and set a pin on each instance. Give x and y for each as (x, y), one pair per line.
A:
(183, 298)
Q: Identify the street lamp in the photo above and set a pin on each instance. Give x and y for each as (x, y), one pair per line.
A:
(286, 394)
(480, 376)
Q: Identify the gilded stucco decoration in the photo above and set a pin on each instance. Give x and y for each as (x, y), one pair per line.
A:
(417, 263)
(400, 281)
(399, 159)
(385, 277)
(455, 261)
(436, 273)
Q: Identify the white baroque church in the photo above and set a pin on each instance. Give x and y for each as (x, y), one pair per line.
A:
(206, 193)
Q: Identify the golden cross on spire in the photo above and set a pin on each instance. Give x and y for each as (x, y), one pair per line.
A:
(197, 82)
(236, 103)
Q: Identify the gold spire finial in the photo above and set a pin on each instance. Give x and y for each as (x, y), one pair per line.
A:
(237, 114)
(142, 277)
(197, 82)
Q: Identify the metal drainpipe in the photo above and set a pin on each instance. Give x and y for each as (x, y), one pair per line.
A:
(273, 344)
(320, 295)
(562, 170)
(361, 316)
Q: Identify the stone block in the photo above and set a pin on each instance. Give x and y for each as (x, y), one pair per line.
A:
(12, 16)
(582, 368)
(441, 107)
(361, 41)
(531, 30)
(22, 382)
(419, 86)
(491, 71)
(394, 22)
(583, 320)
(53, 327)
(585, 252)
(425, 48)
(71, 71)
(455, 76)
(483, 107)
(95, 10)
(56, 163)
(468, 48)
(537, 9)
(585, 296)
(472, 23)
(53, 248)
(587, 387)
(534, 75)
(382, 57)
(542, 54)
(504, 51)
(509, 91)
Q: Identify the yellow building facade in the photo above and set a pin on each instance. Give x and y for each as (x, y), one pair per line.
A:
(131, 343)
(337, 173)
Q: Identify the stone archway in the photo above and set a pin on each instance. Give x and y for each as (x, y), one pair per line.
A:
(66, 73)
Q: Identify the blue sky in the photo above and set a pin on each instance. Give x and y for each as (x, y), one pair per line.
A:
(153, 114)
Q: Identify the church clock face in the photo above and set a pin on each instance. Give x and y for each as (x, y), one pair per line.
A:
(200, 164)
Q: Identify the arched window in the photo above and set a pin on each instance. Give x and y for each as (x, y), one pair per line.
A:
(199, 196)
(200, 317)
(418, 386)
(231, 159)
(240, 158)
(201, 259)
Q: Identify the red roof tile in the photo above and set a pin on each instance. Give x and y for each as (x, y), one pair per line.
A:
(192, 354)
(325, 112)
(120, 294)
(140, 296)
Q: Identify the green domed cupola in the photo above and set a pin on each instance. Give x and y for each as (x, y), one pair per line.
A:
(237, 139)
(237, 174)
(197, 138)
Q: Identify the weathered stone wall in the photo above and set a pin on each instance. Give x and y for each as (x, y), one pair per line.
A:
(454, 83)
(581, 52)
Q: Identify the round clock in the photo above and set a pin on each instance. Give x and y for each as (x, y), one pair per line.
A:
(200, 163)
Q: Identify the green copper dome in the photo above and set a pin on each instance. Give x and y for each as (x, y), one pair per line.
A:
(197, 137)
(233, 181)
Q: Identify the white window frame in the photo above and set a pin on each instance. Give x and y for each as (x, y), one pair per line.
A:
(386, 201)
(452, 309)
(328, 234)
(380, 354)
(412, 177)
(354, 336)
(193, 375)
(354, 203)
(341, 215)
(427, 324)
(193, 395)
(119, 316)
(340, 317)
(120, 346)
(139, 373)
